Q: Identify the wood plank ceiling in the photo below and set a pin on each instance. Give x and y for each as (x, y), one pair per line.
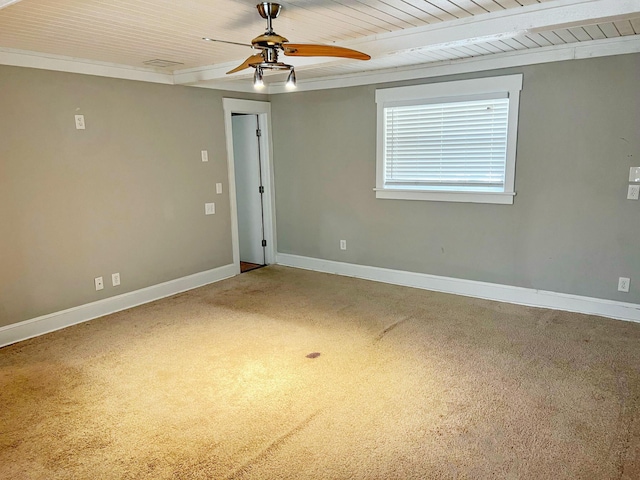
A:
(135, 32)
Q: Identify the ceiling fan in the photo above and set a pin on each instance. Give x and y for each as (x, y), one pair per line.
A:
(270, 44)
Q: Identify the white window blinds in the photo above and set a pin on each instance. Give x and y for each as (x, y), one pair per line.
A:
(455, 146)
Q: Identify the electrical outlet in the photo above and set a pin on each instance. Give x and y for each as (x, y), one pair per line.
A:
(209, 208)
(80, 122)
(623, 284)
(115, 279)
(218, 188)
(343, 244)
(99, 283)
(205, 155)
(633, 192)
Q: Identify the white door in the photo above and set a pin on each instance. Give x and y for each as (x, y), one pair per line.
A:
(246, 160)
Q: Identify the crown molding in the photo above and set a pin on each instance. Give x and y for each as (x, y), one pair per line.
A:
(61, 63)
(554, 53)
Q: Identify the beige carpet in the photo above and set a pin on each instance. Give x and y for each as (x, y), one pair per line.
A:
(216, 383)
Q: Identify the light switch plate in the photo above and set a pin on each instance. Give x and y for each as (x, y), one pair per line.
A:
(218, 188)
(633, 192)
(634, 174)
(209, 208)
(205, 155)
(115, 279)
(99, 283)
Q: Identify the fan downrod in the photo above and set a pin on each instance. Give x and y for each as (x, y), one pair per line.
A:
(269, 11)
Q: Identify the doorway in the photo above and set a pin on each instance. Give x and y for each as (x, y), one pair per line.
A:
(247, 157)
(251, 196)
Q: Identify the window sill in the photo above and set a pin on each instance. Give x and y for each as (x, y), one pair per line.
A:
(466, 197)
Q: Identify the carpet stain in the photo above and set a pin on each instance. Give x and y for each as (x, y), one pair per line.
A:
(313, 355)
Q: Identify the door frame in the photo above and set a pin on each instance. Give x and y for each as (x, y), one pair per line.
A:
(263, 110)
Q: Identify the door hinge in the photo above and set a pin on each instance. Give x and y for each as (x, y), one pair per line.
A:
(258, 133)
(261, 189)
(264, 243)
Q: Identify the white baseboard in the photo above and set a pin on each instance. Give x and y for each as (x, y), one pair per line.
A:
(491, 291)
(470, 288)
(65, 318)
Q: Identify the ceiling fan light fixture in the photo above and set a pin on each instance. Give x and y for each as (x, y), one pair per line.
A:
(271, 44)
(258, 83)
(291, 80)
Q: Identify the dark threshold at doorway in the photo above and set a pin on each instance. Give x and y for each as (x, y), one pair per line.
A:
(246, 266)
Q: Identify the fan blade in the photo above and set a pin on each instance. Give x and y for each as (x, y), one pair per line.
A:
(309, 50)
(252, 60)
(225, 41)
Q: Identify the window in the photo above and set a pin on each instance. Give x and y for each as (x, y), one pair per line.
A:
(453, 141)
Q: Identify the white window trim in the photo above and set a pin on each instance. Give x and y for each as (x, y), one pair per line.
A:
(449, 91)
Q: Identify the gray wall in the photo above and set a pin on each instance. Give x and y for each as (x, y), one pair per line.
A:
(570, 229)
(125, 195)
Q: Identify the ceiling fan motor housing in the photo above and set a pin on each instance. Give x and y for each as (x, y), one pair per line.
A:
(268, 40)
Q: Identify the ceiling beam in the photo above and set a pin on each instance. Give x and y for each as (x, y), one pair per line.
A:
(517, 58)
(508, 23)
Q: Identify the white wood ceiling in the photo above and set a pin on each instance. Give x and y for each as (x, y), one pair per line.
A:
(397, 33)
